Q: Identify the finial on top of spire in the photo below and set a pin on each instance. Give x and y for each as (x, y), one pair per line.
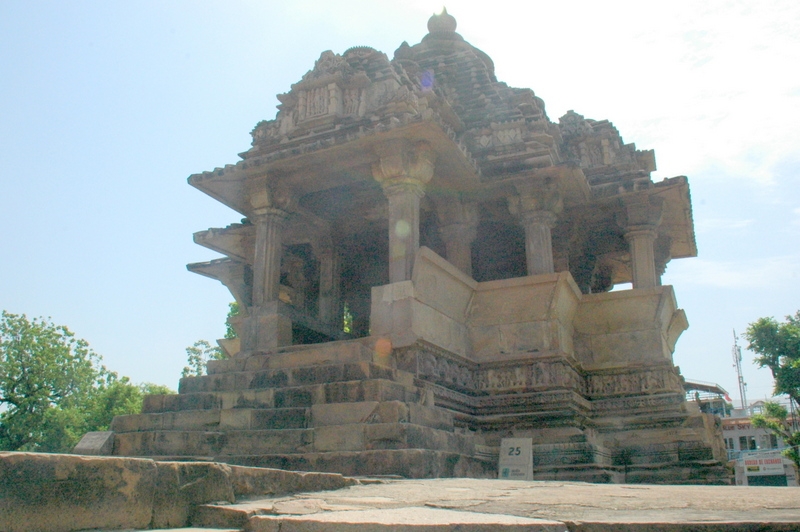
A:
(442, 22)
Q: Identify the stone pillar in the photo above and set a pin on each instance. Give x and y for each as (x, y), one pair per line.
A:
(538, 241)
(329, 287)
(268, 252)
(403, 170)
(643, 217)
(643, 263)
(536, 208)
(458, 240)
(264, 329)
(403, 228)
(458, 225)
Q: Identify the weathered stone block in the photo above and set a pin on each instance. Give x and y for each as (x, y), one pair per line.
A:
(436, 418)
(135, 422)
(339, 438)
(280, 418)
(134, 444)
(442, 286)
(386, 435)
(247, 399)
(183, 485)
(152, 403)
(191, 420)
(61, 493)
(323, 415)
(96, 443)
(243, 442)
(235, 419)
(294, 397)
(191, 401)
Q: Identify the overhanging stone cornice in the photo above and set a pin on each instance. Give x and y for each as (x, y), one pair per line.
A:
(332, 161)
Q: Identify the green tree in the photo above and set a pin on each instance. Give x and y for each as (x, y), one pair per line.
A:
(53, 388)
(233, 310)
(117, 397)
(775, 418)
(199, 353)
(777, 345)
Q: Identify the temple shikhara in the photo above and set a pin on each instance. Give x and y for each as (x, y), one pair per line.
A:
(424, 266)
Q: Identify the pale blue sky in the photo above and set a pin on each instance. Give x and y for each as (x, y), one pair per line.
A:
(107, 107)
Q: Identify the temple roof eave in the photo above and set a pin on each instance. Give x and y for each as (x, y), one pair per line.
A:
(304, 169)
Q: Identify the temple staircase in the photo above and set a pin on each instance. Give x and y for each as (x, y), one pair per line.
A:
(337, 406)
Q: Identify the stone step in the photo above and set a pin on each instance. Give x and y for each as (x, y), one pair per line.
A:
(332, 353)
(405, 519)
(254, 379)
(318, 415)
(331, 438)
(182, 529)
(287, 397)
(232, 419)
(230, 515)
(210, 443)
(568, 454)
(406, 463)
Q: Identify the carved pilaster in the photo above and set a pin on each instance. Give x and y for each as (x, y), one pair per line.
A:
(536, 208)
(329, 286)
(643, 216)
(267, 257)
(403, 170)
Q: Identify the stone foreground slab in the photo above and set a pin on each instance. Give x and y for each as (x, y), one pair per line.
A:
(66, 493)
(401, 519)
(578, 507)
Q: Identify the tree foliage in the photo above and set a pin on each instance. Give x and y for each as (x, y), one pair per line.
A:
(775, 418)
(53, 388)
(199, 353)
(777, 345)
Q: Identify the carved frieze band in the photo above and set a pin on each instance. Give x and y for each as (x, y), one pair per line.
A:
(542, 374)
(649, 381)
(430, 363)
(648, 403)
(479, 388)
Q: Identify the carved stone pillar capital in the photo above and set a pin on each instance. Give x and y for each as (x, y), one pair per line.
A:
(403, 162)
(642, 209)
(634, 232)
(268, 214)
(534, 198)
(399, 187)
(547, 218)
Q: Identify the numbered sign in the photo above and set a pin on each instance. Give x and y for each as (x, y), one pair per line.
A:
(516, 459)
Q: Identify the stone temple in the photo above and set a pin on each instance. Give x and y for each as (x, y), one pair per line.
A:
(424, 266)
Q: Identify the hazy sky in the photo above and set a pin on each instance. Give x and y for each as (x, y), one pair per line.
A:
(107, 107)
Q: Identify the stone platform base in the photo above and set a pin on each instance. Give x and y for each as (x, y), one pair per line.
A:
(350, 408)
(408, 463)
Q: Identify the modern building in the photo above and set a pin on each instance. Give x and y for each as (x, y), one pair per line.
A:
(756, 452)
